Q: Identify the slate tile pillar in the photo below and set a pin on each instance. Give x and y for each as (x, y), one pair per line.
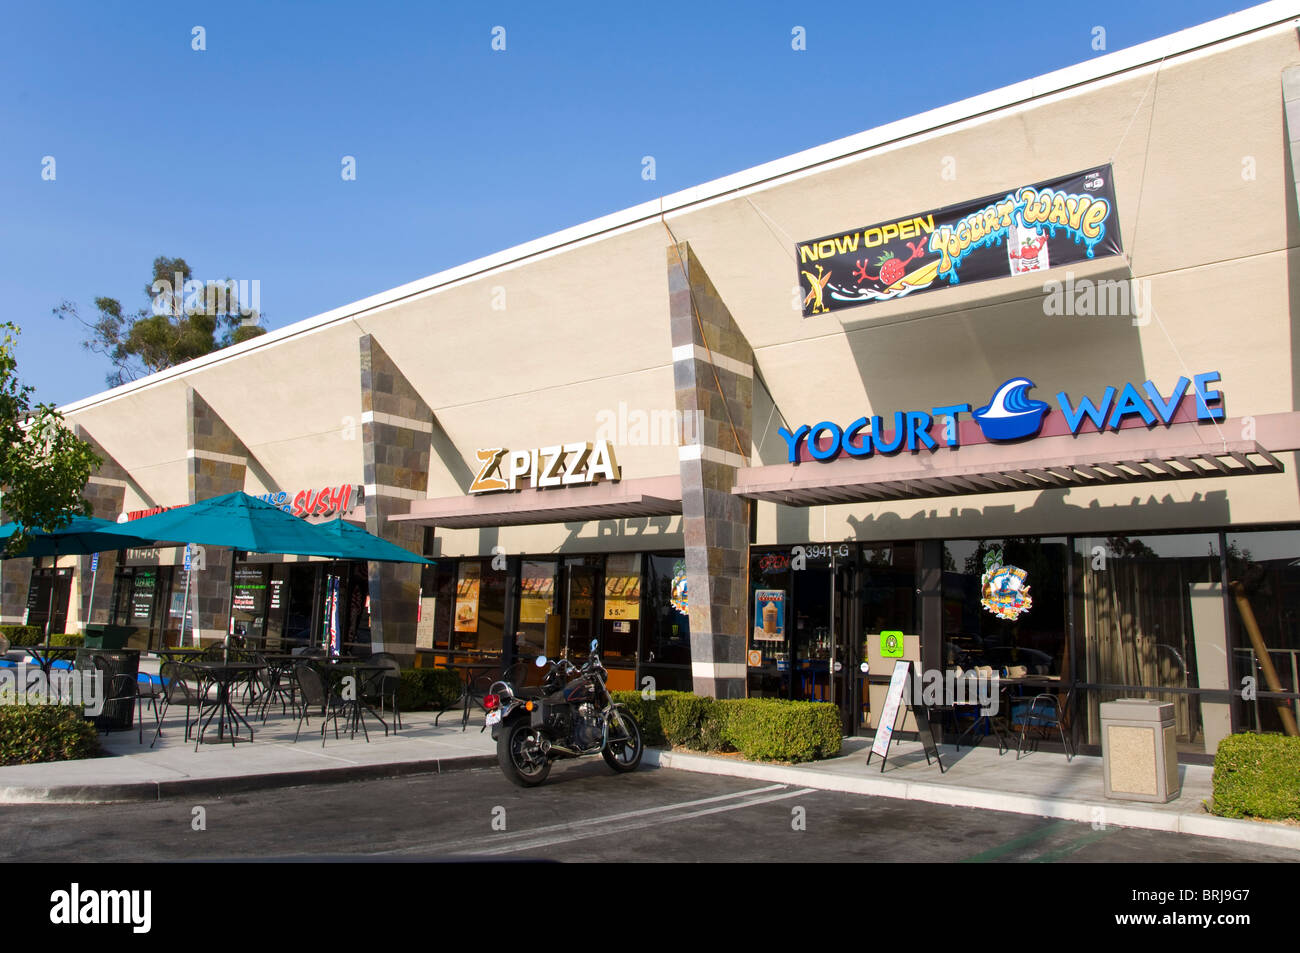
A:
(396, 432)
(15, 581)
(713, 374)
(217, 463)
(106, 493)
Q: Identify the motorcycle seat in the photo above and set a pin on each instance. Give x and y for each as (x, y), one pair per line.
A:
(530, 691)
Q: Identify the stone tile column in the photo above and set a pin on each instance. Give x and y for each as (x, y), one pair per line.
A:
(15, 581)
(217, 464)
(713, 374)
(396, 432)
(106, 493)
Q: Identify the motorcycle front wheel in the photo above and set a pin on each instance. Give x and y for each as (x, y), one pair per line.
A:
(520, 755)
(623, 756)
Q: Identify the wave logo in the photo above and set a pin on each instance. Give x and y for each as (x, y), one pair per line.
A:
(1011, 413)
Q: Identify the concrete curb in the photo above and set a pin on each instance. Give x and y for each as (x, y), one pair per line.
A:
(216, 787)
(1116, 814)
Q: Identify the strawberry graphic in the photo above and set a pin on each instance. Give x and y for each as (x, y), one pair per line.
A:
(890, 269)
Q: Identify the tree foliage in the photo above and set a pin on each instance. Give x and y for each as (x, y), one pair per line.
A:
(185, 319)
(44, 466)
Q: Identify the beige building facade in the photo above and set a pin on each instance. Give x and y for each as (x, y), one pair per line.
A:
(674, 336)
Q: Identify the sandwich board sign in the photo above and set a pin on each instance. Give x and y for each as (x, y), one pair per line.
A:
(889, 719)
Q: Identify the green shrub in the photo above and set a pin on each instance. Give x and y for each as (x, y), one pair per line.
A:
(1257, 776)
(22, 634)
(71, 639)
(424, 688)
(715, 728)
(30, 734)
(769, 729)
(682, 714)
(646, 713)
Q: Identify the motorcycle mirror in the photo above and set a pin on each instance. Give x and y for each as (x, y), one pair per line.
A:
(593, 645)
(541, 661)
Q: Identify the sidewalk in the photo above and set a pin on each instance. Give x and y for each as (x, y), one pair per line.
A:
(1040, 783)
(130, 771)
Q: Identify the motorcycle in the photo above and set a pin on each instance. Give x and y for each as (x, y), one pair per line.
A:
(571, 715)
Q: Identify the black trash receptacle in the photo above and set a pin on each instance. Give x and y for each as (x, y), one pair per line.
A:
(117, 715)
(100, 635)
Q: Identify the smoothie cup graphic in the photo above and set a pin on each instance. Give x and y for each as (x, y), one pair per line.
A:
(1026, 249)
(769, 618)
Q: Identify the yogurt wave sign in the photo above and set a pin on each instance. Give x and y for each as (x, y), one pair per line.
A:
(1011, 414)
(1027, 229)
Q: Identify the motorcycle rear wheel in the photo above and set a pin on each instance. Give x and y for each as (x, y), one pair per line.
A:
(624, 756)
(519, 756)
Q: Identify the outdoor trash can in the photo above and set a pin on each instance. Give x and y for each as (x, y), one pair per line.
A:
(102, 636)
(1138, 754)
(118, 715)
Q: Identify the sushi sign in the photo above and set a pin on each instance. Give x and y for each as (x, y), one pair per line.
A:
(1010, 414)
(1027, 229)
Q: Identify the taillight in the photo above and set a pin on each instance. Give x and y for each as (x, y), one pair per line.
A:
(490, 701)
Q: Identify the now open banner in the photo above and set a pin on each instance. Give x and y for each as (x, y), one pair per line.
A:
(1027, 229)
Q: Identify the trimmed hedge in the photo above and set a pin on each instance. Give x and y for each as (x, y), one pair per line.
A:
(69, 639)
(22, 634)
(31, 734)
(424, 688)
(761, 729)
(770, 729)
(1257, 776)
(646, 713)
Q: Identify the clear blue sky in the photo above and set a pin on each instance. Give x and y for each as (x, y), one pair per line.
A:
(230, 157)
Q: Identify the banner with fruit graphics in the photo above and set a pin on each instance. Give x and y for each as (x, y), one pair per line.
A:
(1027, 229)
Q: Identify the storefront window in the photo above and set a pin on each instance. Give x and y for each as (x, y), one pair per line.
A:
(1010, 620)
(248, 603)
(480, 613)
(1264, 612)
(538, 628)
(620, 628)
(666, 653)
(1151, 612)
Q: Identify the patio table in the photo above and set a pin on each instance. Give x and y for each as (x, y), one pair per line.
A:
(336, 669)
(223, 675)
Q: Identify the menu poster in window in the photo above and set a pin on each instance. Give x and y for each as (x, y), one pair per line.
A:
(250, 590)
(769, 615)
(536, 591)
(623, 586)
(467, 580)
(277, 594)
(142, 591)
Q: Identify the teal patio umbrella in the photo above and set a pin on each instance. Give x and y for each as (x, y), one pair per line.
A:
(82, 535)
(353, 542)
(237, 521)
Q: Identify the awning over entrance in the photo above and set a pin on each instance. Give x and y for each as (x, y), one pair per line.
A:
(627, 499)
(1095, 459)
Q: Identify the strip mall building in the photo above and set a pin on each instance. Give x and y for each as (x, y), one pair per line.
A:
(1015, 379)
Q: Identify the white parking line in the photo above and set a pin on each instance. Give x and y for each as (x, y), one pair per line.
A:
(531, 842)
(572, 827)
